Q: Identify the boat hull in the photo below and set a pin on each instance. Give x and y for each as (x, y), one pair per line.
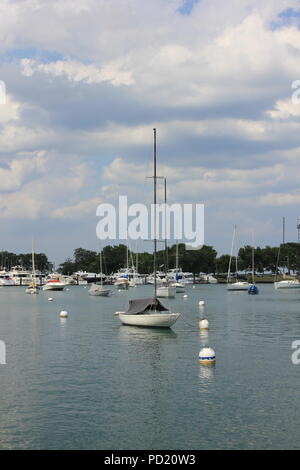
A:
(168, 292)
(287, 285)
(154, 320)
(239, 286)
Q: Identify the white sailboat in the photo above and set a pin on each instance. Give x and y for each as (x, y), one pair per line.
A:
(179, 286)
(32, 288)
(285, 283)
(96, 289)
(149, 312)
(236, 285)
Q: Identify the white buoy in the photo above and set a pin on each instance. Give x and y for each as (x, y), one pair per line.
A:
(201, 303)
(50, 299)
(207, 355)
(185, 296)
(194, 287)
(203, 324)
(63, 314)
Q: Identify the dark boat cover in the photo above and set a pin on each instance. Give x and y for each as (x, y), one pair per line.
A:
(138, 306)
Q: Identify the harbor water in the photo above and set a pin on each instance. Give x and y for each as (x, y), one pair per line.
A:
(87, 382)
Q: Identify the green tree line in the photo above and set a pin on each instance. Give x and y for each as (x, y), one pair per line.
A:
(9, 259)
(286, 257)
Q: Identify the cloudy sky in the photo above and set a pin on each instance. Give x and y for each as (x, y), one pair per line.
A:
(86, 82)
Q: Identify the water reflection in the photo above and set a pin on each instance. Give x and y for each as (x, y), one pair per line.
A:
(206, 373)
(146, 335)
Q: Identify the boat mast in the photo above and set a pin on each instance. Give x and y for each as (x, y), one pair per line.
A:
(154, 225)
(33, 265)
(166, 243)
(231, 253)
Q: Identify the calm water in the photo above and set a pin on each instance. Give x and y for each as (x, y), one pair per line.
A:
(90, 383)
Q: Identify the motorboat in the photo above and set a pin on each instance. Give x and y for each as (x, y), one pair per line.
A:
(54, 284)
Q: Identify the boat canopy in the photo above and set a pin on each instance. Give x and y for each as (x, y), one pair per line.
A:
(138, 306)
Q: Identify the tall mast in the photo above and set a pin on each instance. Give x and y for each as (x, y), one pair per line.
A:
(166, 243)
(33, 265)
(154, 225)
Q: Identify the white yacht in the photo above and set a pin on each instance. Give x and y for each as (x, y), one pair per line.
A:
(287, 284)
(20, 276)
(5, 279)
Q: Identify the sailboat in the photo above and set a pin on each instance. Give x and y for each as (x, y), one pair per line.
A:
(253, 289)
(237, 285)
(285, 283)
(149, 312)
(32, 288)
(166, 290)
(179, 286)
(99, 289)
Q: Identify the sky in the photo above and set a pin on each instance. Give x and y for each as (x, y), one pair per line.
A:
(88, 80)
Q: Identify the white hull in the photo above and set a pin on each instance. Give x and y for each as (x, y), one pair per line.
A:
(99, 291)
(59, 286)
(238, 286)
(158, 320)
(178, 287)
(288, 284)
(121, 285)
(7, 282)
(32, 290)
(168, 292)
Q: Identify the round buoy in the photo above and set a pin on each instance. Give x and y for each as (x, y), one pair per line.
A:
(50, 299)
(185, 296)
(203, 324)
(63, 314)
(194, 287)
(201, 303)
(207, 355)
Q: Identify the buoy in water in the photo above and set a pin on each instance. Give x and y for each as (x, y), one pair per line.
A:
(185, 296)
(50, 299)
(201, 303)
(253, 290)
(203, 324)
(63, 314)
(207, 355)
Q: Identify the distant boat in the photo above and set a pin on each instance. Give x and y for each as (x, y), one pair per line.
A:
(236, 285)
(166, 291)
(32, 288)
(54, 284)
(99, 290)
(287, 284)
(5, 279)
(149, 312)
(253, 289)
